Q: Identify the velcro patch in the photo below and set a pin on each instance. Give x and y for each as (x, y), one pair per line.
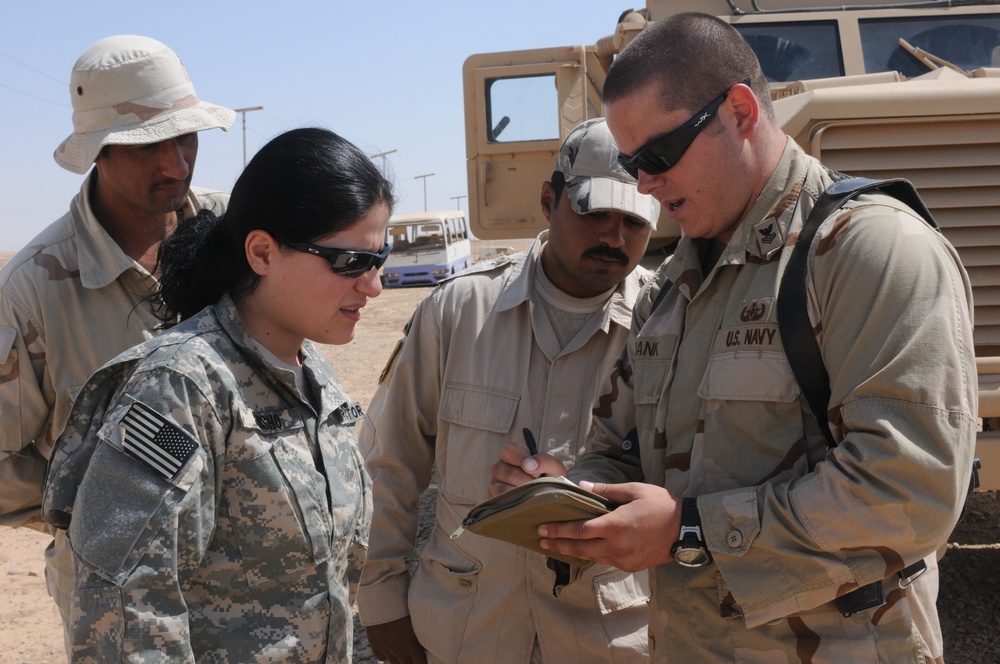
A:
(156, 441)
(351, 413)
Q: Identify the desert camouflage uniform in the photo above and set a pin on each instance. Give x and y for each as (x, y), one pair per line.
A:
(718, 413)
(69, 301)
(479, 363)
(247, 543)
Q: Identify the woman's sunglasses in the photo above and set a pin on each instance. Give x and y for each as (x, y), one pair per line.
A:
(661, 154)
(346, 262)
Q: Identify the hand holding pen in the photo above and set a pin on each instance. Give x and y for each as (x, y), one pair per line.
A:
(529, 440)
(514, 469)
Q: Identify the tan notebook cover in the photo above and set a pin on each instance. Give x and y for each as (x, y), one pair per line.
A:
(514, 516)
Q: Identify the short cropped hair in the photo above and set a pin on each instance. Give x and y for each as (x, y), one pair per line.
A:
(693, 58)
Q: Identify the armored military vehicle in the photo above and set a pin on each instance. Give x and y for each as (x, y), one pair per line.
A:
(879, 89)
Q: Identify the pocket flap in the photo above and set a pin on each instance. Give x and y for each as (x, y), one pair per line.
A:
(479, 407)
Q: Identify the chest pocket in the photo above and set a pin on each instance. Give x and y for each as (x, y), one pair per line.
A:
(750, 395)
(749, 364)
(275, 495)
(481, 419)
(652, 358)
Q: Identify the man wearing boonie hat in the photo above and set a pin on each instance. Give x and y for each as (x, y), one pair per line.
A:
(519, 342)
(73, 297)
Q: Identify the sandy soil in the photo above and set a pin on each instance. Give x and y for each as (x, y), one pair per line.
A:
(30, 630)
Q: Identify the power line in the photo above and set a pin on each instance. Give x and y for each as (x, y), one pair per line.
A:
(39, 72)
(28, 94)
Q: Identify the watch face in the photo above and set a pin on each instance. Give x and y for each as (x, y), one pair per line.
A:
(692, 557)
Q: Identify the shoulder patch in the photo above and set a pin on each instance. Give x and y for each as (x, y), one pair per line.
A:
(155, 440)
(386, 374)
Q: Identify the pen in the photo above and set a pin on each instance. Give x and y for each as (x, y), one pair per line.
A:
(529, 440)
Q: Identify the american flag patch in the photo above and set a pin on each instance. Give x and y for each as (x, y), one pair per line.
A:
(154, 440)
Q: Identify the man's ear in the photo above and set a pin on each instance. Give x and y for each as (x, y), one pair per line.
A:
(261, 250)
(547, 200)
(745, 109)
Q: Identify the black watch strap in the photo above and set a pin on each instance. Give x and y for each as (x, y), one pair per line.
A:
(690, 550)
(691, 518)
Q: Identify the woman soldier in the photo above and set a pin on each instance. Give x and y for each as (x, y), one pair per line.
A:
(216, 503)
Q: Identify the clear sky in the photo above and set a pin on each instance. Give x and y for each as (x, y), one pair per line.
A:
(385, 75)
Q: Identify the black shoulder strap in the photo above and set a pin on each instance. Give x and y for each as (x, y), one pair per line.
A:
(795, 328)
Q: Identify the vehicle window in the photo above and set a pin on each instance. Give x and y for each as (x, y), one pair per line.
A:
(521, 109)
(795, 51)
(969, 42)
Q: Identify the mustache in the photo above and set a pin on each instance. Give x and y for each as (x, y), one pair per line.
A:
(604, 251)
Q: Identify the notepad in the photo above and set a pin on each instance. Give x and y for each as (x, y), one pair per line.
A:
(514, 516)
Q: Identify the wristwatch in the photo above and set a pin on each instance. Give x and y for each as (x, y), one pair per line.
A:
(690, 550)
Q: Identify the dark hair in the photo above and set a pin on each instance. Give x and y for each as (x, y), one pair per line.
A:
(693, 57)
(303, 186)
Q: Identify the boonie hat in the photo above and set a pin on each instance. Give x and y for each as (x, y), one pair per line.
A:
(132, 90)
(595, 180)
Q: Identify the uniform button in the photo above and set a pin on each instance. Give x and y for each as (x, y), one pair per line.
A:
(734, 539)
(626, 445)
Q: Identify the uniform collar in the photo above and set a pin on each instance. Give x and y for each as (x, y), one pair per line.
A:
(764, 230)
(520, 284)
(317, 369)
(101, 260)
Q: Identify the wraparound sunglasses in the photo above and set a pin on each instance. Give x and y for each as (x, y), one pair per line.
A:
(661, 154)
(347, 262)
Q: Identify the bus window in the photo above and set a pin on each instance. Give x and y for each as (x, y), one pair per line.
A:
(426, 247)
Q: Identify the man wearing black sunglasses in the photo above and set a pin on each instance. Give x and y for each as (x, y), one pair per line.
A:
(750, 527)
(521, 342)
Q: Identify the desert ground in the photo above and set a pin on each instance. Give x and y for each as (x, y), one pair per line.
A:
(969, 603)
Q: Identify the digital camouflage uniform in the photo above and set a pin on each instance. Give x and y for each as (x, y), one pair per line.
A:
(719, 416)
(213, 514)
(69, 301)
(479, 363)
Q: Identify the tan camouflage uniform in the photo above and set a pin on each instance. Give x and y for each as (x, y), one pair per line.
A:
(479, 363)
(719, 415)
(244, 538)
(69, 301)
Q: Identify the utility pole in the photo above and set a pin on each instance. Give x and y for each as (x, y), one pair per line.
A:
(243, 111)
(425, 187)
(458, 206)
(381, 154)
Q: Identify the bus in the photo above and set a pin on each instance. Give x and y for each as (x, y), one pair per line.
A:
(426, 248)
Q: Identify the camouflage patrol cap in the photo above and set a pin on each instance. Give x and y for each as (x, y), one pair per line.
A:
(595, 180)
(131, 90)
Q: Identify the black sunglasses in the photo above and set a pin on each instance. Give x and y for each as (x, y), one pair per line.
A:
(661, 154)
(347, 262)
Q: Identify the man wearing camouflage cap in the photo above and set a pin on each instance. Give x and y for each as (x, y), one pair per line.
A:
(73, 297)
(520, 341)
